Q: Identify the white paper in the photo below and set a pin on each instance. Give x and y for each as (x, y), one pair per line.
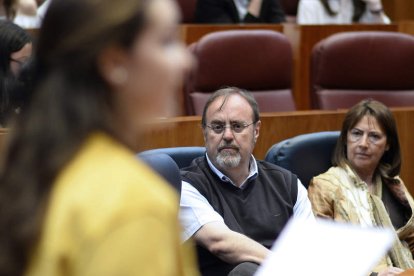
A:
(326, 248)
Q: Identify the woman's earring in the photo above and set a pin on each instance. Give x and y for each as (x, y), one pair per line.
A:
(119, 75)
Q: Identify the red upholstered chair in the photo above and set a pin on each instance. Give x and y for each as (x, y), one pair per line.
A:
(349, 67)
(259, 61)
(187, 8)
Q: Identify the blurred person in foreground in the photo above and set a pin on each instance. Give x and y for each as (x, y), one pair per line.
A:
(15, 52)
(233, 205)
(239, 11)
(74, 199)
(363, 187)
(341, 12)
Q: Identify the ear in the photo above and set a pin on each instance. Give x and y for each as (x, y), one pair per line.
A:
(257, 130)
(205, 134)
(387, 148)
(112, 64)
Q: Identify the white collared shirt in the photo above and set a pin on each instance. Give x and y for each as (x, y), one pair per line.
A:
(196, 211)
(313, 12)
(242, 6)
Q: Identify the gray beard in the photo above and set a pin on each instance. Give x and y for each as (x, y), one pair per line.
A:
(230, 161)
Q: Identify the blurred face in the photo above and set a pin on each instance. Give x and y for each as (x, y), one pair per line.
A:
(230, 134)
(366, 144)
(150, 73)
(17, 59)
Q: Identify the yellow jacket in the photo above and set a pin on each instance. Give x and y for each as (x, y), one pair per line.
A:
(109, 214)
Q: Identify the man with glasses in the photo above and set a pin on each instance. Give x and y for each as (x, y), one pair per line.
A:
(231, 204)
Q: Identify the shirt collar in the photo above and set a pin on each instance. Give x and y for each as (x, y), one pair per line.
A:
(358, 182)
(253, 172)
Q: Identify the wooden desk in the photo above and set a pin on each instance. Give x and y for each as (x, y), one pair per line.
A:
(303, 39)
(186, 131)
(191, 33)
(399, 10)
(406, 27)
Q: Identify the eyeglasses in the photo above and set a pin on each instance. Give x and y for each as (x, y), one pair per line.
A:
(356, 135)
(236, 127)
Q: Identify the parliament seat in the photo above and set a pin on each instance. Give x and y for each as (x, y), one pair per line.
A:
(165, 166)
(349, 67)
(306, 155)
(259, 61)
(183, 156)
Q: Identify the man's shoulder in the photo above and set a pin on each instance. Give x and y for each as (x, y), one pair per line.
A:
(267, 166)
(274, 171)
(196, 165)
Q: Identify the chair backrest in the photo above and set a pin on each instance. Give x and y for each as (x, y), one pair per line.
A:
(165, 166)
(349, 67)
(259, 61)
(187, 8)
(183, 156)
(305, 155)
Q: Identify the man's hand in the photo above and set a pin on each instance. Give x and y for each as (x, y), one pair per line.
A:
(390, 271)
(254, 7)
(27, 7)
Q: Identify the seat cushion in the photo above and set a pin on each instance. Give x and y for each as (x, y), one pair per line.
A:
(341, 99)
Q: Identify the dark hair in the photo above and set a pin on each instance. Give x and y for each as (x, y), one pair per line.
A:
(12, 39)
(70, 100)
(390, 163)
(359, 9)
(226, 92)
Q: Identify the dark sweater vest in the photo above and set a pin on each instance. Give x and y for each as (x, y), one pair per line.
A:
(259, 211)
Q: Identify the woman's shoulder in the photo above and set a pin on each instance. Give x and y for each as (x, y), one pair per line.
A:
(334, 177)
(105, 173)
(104, 196)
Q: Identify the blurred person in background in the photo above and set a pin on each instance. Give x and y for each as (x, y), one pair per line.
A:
(341, 12)
(74, 200)
(239, 11)
(363, 187)
(15, 52)
(22, 12)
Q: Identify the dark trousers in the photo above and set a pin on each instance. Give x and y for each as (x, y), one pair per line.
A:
(244, 269)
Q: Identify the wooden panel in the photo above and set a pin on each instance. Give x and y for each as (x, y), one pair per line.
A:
(404, 10)
(191, 33)
(186, 131)
(406, 27)
(399, 10)
(303, 39)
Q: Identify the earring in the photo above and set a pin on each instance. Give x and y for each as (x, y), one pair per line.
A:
(119, 75)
